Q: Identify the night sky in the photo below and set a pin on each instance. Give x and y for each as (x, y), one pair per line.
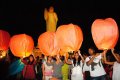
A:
(26, 16)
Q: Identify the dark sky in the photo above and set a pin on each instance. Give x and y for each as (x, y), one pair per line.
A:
(26, 16)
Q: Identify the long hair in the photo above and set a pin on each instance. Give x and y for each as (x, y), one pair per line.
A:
(75, 62)
(29, 62)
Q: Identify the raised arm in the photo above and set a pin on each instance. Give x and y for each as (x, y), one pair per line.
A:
(104, 52)
(45, 14)
(105, 60)
(56, 18)
(117, 58)
(43, 70)
(90, 61)
(81, 56)
(66, 60)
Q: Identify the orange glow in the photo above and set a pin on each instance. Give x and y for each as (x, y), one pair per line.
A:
(21, 45)
(69, 37)
(4, 40)
(47, 43)
(105, 33)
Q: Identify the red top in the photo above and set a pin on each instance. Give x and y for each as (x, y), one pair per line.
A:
(29, 70)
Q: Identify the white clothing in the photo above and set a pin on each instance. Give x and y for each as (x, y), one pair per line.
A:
(96, 68)
(77, 72)
(116, 71)
(48, 71)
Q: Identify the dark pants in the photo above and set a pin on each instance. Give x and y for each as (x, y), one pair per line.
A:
(99, 78)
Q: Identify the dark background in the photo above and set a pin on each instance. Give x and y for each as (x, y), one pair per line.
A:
(26, 16)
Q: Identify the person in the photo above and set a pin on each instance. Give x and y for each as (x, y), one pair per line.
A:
(51, 19)
(47, 68)
(57, 67)
(65, 69)
(108, 68)
(77, 64)
(94, 62)
(86, 68)
(38, 68)
(116, 64)
(70, 58)
(29, 69)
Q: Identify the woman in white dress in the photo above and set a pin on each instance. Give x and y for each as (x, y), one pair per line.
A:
(77, 64)
(116, 64)
(47, 69)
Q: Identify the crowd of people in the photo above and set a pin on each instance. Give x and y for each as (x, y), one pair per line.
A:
(72, 66)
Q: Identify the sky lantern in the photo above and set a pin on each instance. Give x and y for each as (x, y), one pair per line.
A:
(37, 52)
(4, 40)
(105, 33)
(69, 37)
(47, 43)
(21, 45)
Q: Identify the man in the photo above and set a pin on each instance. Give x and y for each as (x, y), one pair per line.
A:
(97, 71)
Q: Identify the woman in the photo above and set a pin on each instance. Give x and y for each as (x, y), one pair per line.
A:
(77, 63)
(57, 68)
(38, 68)
(116, 65)
(51, 19)
(65, 69)
(29, 69)
(47, 69)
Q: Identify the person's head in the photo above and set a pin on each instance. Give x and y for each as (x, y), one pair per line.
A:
(56, 57)
(51, 9)
(37, 58)
(91, 51)
(76, 55)
(76, 59)
(31, 58)
(49, 58)
(62, 58)
(42, 56)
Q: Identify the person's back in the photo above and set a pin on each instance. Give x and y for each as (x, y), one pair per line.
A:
(57, 70)
(65, 70)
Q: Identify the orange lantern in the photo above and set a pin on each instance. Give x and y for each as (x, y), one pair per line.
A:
(36, 52)
(21, 45)
(105, 33)
(47, 43)
(4, 40)
(69, 37)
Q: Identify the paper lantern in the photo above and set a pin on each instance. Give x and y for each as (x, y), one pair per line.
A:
(21, 45)
(69, 37)
(47, 43)
(105, 33)
(4, 40)
(37, 52)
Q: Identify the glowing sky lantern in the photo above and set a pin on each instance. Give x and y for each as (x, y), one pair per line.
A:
(105, 33)
(47, 43)
(4, 40)
(21, 45)
(69, 37)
